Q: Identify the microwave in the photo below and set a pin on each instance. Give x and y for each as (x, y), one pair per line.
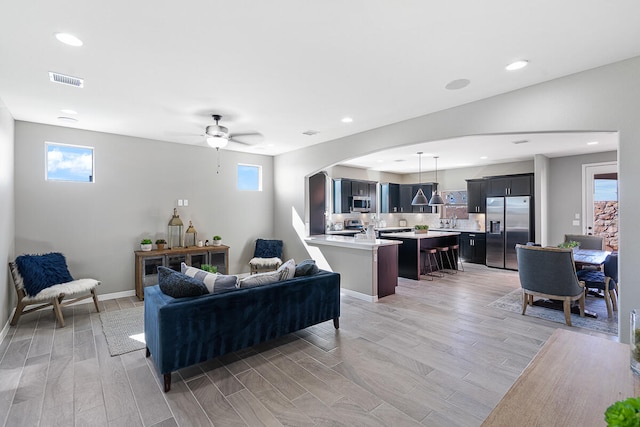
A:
(361, 204)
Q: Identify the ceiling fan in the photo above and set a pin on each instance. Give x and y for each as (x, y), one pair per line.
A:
(219, 136)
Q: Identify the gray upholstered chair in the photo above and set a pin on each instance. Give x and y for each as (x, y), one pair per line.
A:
(586, 241)
(549, 273)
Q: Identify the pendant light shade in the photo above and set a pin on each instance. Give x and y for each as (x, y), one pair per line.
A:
(436, 198)
(420, 199)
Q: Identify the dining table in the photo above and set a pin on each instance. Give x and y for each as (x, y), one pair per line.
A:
(593, 257)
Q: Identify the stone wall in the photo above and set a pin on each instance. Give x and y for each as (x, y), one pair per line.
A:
(606, 223)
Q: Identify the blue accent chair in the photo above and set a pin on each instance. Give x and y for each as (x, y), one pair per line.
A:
(549, 273)
(267, 256)
(606, 281)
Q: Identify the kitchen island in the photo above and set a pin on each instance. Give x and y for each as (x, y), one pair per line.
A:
(368, 267)
(409, 260)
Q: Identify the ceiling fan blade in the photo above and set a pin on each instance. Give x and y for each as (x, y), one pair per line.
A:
(250, 138)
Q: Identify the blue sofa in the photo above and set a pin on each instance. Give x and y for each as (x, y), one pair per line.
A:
(180, 332)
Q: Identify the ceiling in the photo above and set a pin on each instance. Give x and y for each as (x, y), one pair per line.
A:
(159, 70)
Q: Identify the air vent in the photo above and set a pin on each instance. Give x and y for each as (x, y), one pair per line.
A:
(522, 141)
(66, 80)
(310, 132)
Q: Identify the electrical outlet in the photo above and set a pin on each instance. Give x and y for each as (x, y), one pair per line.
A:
(179, 202)
(576, 223)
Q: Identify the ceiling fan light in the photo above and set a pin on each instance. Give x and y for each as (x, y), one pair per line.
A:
(217, 141)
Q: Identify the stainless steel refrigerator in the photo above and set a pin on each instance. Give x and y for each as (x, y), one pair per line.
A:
(508, 223)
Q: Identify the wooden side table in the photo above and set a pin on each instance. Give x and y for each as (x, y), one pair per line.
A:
(147, 262)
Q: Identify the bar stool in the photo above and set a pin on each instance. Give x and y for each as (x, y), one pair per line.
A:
(455, 252)
(426, 254)
(445, 249)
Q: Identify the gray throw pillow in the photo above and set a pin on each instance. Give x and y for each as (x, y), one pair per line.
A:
(307, 267)
(178, 285)
(214, 282)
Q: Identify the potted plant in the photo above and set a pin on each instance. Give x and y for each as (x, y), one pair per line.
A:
(217, 240)
(209, 268)
(160, 244)
(146, 245)
(421, 229)
(570, 244)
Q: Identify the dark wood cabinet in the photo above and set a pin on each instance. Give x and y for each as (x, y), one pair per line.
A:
(473, 247)
(373, 194)
(389, 198)
(406, 195)
(476, 195)
(341, 194)
(510, 185)
(359, 188)
(147, 262)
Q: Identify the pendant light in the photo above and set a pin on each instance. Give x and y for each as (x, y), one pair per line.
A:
(436, 198)
(420, 199)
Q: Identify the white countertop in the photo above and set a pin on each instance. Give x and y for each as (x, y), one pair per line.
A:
(461, 230)
(349, 242)
(430, 235)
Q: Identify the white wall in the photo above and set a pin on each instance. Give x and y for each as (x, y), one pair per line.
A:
(566, 201)
(604, 99)
(137, 183)
(7, 218)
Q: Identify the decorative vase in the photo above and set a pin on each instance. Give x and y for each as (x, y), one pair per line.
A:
(146, 247)
(635, 342)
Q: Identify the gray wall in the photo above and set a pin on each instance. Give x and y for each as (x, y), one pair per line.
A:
(7, 218)
(565, 192)
(137, 184)
(605, 99)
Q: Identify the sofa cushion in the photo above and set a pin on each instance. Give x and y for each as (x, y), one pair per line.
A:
(307, 267)
(42, 271)
(288, 270)
(178, 285)
(214, 282)
(262, 279)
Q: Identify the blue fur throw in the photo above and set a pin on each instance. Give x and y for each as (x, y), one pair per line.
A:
(42, 271)
(268, 249)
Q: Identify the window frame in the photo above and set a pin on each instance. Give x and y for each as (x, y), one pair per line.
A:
(48, 144)
(248, 165)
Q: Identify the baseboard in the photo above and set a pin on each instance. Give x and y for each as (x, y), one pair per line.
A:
(359, 295)
(101, 297)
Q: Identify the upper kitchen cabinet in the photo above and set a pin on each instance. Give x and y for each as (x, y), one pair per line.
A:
(345, 190)
(408, 191)
(476, 195)
(389, 198)
(510, 185)
(341, 194)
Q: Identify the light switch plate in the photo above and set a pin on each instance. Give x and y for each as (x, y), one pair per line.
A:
(576, 222)
(179, 202)
(186, 202)
(577, 216)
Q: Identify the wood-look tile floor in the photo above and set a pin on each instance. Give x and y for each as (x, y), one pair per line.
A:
(433, 354)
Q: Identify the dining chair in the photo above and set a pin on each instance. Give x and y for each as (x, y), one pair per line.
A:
(606, 281)
(549, 272)
(586, 241)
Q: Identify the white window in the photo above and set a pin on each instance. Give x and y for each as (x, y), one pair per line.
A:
(69, 163)
(249, 177)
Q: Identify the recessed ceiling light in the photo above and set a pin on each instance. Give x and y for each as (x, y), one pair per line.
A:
(457, 84)
(310, 132)
(69, 39)
(484, 158)
(592, 143)
(517, 65)
(69, 120)
(347, 120)
(271, 145)
(522, 141)
(67, 111)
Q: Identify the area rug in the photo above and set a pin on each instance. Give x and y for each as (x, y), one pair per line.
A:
(513, 302)
(124, 330)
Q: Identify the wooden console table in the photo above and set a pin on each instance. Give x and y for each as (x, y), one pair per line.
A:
(147, 262)
(570, 382)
